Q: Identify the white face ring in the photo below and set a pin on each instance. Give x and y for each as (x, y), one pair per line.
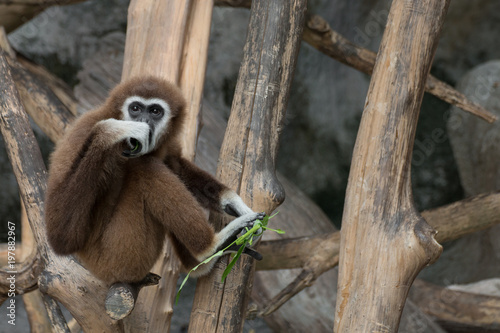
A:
(161, 127)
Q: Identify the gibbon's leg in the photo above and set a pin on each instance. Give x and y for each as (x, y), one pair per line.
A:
(168, 200)
(130, 242)
(209, 192)
(76, 183)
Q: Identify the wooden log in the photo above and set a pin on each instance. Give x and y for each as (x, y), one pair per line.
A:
(464, 217)
(247, 158)
(180, 58)
(57, 86)
(4, 252)
(451, 222)
(385, 242)
(457, 311)
(295, 252)
(63, 278)
(37, 313)
(193, 70)
(155, 38)
(40, 102)
(318, 263)
(26, 276)
(154, 45)
(121, 297)
(32, 265)
(14, 13)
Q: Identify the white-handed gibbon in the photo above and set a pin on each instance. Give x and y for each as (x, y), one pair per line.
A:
(118, 185)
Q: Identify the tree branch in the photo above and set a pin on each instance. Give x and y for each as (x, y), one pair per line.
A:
(457, 311)
(317, 33)
(40, 102)
(26, 276)
(452, 221)
(14, 13)
(63, 278)
(59, 324)
(121, 297)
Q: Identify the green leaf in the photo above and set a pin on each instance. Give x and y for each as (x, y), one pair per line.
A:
(244, 240)
(217, 254)
(231, 264)
(136, 146)
(265, 220)
(274, 214)
(180, 288)
(279, 231)
(249, 233)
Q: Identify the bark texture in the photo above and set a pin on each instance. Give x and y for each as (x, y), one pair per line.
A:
(62, 278)
(168, 39)
(385, 242)
(248, 153)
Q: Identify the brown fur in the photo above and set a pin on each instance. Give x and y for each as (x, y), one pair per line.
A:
(114, 212)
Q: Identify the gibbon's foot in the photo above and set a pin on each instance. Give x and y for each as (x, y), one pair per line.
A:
(150, 279)
(252, 253)
(238, 226)
(244, 221)
(247, 250)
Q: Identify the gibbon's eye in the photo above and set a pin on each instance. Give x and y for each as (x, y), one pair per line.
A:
(156, 110)
(135, 108)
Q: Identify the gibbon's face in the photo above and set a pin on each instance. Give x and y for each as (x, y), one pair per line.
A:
(153, 111)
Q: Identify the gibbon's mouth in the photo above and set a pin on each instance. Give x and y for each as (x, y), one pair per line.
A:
(135, 147)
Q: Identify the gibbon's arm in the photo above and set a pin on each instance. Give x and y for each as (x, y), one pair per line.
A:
(209, 192)
(86, 162)
(183, 218)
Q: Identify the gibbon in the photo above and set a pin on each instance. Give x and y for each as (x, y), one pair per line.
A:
(118, 185)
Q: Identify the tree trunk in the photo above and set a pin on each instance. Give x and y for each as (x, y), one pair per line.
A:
(248, 153)
(168, 39)
(384, 240)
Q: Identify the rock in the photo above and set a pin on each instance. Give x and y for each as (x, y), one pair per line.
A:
(476, 146)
